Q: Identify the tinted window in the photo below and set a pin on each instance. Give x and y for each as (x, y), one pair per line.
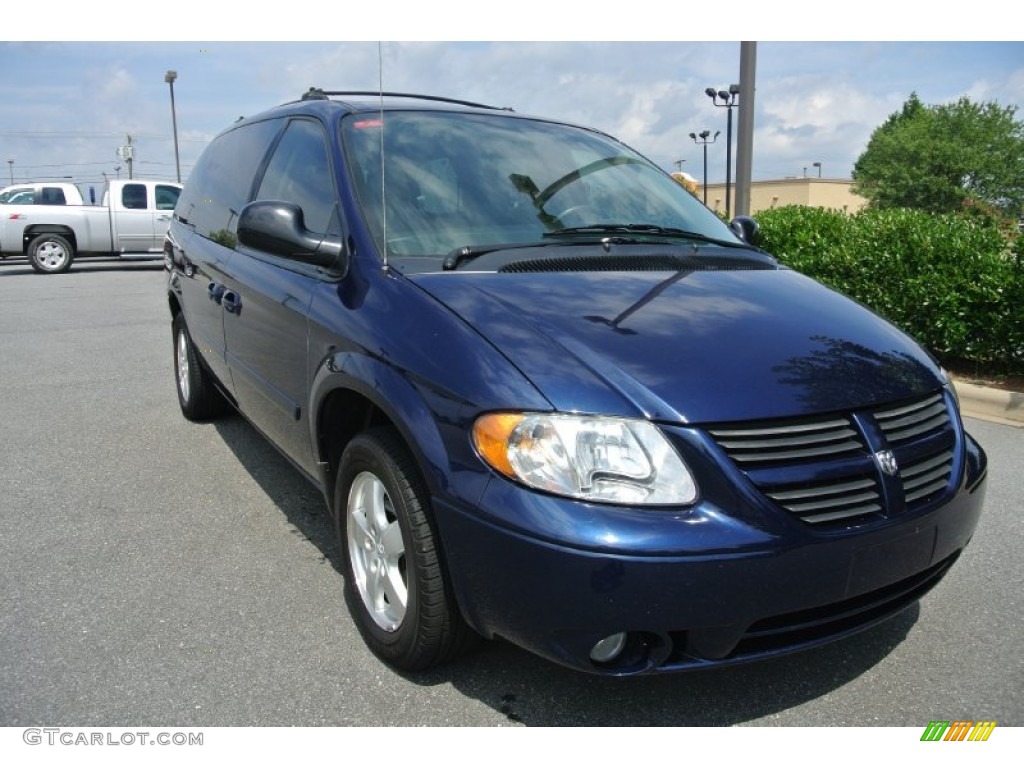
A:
(133, 197)
(221, 181)
(166, 197)
(53, 196)
(299, 172)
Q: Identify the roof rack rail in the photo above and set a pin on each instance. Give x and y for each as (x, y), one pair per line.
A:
(318, 94)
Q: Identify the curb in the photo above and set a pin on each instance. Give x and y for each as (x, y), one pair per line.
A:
(990, 404)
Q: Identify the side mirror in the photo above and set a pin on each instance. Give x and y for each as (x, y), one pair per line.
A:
(746, 229)
(279, 228)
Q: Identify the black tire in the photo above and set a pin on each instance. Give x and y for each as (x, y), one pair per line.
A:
(378, 471)
(50, 254)
(198, 396)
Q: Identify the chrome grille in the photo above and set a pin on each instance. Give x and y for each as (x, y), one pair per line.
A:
(925, 420)
(794, 441)
(830, 501)
(924, 479)
(822, 470)
(909, 421)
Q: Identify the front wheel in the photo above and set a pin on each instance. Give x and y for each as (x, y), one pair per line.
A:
(395, 580)
(49, 254)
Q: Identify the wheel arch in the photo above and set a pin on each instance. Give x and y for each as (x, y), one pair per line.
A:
(353, 392)
(173, 304)
(35, 230)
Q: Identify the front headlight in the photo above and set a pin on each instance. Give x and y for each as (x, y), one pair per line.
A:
(620, 461)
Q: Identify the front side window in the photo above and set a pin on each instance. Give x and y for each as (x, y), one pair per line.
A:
(299, 172)
(450, 180)
(166, 197)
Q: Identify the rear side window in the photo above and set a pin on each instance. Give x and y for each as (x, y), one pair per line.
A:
(133, 197)
(221, 181)
(53, 196)
(299, 172)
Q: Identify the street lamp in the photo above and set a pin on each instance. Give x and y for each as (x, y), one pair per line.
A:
(818, 166)
(704, 140)
(11, 163)
(169, 78)
(727, 99)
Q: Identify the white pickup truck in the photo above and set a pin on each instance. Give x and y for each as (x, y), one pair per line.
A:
(130, 223)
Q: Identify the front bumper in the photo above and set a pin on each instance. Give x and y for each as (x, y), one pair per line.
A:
(728, 592)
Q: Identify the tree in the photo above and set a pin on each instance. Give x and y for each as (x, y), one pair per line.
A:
(945, 158)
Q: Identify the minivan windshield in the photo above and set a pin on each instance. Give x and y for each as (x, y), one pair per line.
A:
(452, 180)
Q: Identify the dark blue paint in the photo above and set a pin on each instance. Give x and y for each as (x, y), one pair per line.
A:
(433, 350)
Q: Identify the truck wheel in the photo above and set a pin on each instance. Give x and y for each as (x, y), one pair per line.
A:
(198, 396)
(50, 254)
(396, 583)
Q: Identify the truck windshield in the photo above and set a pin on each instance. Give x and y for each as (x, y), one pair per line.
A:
(454, 180)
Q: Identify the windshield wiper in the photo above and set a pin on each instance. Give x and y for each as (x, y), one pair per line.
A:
(615, 233)
(466, 253)
(642, 229)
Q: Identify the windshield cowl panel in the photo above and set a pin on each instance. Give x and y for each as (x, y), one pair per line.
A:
(454, 180)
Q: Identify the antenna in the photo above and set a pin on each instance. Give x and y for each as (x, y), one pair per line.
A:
(383, 194)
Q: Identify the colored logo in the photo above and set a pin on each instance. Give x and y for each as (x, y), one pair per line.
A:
(958, 730)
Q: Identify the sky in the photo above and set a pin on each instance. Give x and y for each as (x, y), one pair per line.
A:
(66, 107)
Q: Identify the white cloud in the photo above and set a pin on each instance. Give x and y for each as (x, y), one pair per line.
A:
(815, 102)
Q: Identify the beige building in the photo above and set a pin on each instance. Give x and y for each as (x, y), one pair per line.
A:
(814, 192)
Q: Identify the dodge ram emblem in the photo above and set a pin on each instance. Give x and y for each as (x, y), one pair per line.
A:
(887, 462)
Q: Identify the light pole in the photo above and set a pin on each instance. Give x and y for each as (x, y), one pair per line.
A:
(169, 78)
(818, 166)
(704, 140)
(727, 99)
(11, 163)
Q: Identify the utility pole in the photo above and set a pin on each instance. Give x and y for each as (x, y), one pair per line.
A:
(169, 78)
(745, 130)
(127, 153)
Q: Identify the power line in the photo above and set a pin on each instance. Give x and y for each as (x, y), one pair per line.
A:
(81, 135)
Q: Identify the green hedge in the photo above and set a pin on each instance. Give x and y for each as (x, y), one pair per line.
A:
(955, 284)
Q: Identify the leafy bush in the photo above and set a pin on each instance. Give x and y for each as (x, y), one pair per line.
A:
(955, 283)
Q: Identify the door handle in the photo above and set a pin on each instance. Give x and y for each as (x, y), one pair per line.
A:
(232, 302)
(215, 291)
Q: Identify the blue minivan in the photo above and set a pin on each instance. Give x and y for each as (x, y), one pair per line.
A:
(549, 396)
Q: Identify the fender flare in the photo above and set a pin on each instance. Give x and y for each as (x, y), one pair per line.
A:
(396, 397)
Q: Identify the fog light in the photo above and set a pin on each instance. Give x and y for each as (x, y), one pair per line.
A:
(606, 650)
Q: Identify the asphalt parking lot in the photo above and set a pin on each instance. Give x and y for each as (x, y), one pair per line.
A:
(158, 571)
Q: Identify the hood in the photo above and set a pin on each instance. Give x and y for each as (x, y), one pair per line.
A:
(691, 346)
